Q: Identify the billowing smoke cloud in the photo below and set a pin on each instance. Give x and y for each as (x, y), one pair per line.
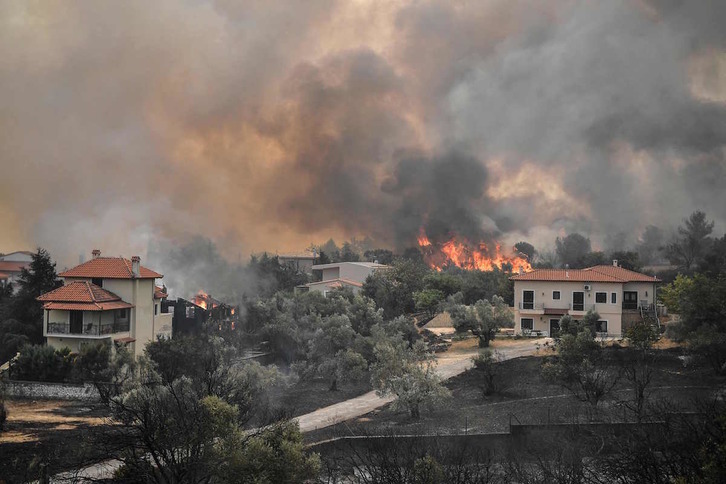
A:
(268, 126)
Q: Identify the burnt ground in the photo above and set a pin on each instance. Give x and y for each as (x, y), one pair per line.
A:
(52, 436)
(528, 399)
(49, 436)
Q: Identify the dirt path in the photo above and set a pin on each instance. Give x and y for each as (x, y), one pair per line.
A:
(450, 364)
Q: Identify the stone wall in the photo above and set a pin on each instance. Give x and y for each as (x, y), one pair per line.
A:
(54, 391)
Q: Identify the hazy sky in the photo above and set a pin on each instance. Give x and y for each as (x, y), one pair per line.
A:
(271, 125)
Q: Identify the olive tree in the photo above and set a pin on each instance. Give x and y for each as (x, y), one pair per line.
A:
(408, 373)
(483, 318)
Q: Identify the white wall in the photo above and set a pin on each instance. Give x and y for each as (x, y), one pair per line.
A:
(543, 291)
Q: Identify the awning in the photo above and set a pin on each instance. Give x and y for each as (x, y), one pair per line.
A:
(125, 339)
(555, 311)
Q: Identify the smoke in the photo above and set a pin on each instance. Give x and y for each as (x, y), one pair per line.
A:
(271, 125)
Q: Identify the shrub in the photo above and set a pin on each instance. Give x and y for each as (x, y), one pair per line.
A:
(487, 365)
(43, 363)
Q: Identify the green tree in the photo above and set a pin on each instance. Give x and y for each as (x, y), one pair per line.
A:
(638, 370)
(671, 294)
(692, 241)
(348, 253)
(627, 260)
(408, 373)
(393, 289)
(428, 301)
(39, 278)
(650, 245)
(572, 249)
(526, 249)
(580, 365)
(483, 318)
(487, 365)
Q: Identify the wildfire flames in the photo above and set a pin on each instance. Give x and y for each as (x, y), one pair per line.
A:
(461, 253)
(203, 300)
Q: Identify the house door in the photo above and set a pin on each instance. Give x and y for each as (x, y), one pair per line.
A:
(578, 301)
(76, 322)
(554, 328)
(630, 299)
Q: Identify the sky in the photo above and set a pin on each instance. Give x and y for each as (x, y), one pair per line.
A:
(273, 125)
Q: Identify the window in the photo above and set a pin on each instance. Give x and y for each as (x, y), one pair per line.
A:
(122, 315)
(601, 327)
(555, 295)
(528, 300)
(527, 324)
(156, 309)
(578, 301)
(97, 281)
(601, 297)
(614, 298)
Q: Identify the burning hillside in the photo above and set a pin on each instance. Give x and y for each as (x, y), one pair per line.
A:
(459, 252)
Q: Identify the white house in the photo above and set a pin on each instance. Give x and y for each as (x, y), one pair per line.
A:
(12, 264)
(543, 296)
(106, 298)
(342, 274)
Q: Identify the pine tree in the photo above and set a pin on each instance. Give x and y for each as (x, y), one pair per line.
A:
(38, 279)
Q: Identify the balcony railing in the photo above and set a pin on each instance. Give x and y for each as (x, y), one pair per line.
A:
(523, 306)
(90, 329)
(531, 306)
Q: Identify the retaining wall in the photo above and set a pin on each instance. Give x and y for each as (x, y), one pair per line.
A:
(54, 391)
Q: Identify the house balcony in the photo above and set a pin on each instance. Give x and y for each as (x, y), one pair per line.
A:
(554, 309)
(87, 330)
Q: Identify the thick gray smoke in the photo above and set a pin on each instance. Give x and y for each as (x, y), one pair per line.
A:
(268, 126)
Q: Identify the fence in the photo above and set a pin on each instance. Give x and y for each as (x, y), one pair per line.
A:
(52, 391)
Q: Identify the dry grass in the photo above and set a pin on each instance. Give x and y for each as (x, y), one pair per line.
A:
(25, 417)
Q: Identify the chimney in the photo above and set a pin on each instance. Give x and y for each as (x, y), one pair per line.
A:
(521, 270)
(615, 263)
(567, 271)
(135, 263)
(95, 253)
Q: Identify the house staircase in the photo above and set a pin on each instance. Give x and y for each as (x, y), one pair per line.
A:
(649, 315)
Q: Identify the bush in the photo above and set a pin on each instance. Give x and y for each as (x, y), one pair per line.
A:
(43, 363)
(487, 365)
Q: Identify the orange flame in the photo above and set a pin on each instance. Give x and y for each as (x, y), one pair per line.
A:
(461, 253)
(201, 299)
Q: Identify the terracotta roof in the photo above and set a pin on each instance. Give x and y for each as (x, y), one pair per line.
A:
(71, 306)
(591, 274)
(3, 275)
(8, 266)
(82, 296)
(109, 268)
(160, 292)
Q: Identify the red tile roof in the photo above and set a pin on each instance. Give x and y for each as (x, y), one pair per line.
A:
(591, 274)
(160, 292)
(109, 268)
(3, 275)
(83, 296)
(8, 266)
